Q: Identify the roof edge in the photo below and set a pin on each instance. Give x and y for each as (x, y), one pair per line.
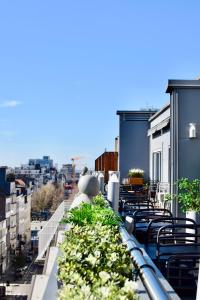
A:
(162, 110)
(137, 112)
(182, 83)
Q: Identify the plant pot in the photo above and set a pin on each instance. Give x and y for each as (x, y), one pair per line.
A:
(136, 180)
(194, 216)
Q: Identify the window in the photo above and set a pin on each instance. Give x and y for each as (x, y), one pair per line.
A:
(157, 166)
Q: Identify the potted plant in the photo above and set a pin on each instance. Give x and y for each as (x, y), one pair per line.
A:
(136, 176)
(189, 197)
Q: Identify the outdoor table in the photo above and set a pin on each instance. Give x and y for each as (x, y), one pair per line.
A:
(170, 250)
(144, 226)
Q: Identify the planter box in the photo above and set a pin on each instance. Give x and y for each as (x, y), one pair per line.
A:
(136, 180)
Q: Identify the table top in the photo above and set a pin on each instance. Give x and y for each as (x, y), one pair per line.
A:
(144, 225)
(174, 249)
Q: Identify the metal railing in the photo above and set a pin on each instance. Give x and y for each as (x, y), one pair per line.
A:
(162, 190)
(146, 271)
(47, 233)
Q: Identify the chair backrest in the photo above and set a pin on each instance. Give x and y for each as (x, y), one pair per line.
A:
(182, 273)
(177, 237)
(156, 224)
(151, 214)
(147, 215)
(130, 195)
(137, 203)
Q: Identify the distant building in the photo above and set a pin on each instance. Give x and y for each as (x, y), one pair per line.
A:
(108, 161)
(36, 226)
(45, 162)
(8, 218)
(24, 195)
(117, 144)
(15, 219)
(133, 141)
(67, 170)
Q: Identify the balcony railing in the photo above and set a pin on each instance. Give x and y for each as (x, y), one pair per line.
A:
(163, 188)
(47, 233)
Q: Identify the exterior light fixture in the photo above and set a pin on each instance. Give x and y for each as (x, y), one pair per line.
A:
(192, 131)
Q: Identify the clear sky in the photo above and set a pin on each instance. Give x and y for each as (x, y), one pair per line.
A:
(67, 66)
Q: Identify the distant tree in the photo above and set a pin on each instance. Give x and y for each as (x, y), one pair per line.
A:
(149, 108)
(48, 197)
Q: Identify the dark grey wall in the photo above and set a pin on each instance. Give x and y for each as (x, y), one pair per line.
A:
(189, 149)
(133, 142)
(185, 152)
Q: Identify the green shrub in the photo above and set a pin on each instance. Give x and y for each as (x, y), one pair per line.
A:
(94, 257)
(138, 173)
(100, 201)
(94, 264)
(105, 291)
(96, 212)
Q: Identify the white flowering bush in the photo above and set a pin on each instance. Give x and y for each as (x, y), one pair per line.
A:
(106, 291)
(94, 264)
(139, 173)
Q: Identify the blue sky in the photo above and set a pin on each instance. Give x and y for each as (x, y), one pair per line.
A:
(67, 66)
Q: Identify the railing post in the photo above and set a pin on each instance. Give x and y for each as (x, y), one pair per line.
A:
(113, 192)
(101, 183)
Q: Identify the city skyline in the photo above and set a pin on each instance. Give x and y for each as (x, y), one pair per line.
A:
(67, 67)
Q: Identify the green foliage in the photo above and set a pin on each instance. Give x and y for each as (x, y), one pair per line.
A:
(94, 264)
(136, 173)
(97, 212)
(100, 291)
(189, 194)
(100, 201)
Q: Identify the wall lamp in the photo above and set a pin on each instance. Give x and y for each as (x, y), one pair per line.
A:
(192, 131)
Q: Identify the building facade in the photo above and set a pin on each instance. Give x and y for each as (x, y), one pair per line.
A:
(133, 141)
(165, 144)
(159, 145)
(45, 162)
(107, 161)
(15, 217)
